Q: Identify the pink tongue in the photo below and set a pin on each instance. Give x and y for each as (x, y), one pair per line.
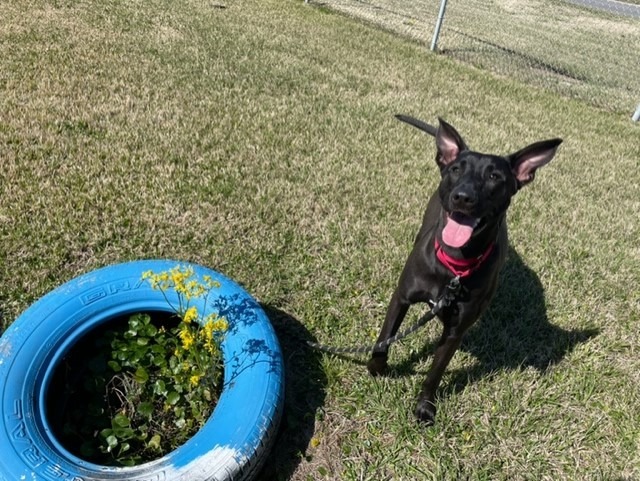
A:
(457, 232)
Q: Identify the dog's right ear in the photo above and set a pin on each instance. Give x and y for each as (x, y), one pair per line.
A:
(525, 162)
(449, 143)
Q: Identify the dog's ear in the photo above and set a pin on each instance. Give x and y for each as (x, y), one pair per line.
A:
(449, 143)
(525, 162)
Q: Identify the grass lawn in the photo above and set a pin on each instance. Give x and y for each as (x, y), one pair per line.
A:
(580, 52)
(259, 139)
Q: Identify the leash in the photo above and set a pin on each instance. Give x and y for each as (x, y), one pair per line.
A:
(448, 296)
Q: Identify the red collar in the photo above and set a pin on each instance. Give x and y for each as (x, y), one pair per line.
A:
(462, 267)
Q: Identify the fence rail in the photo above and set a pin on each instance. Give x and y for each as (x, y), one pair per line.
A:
(586, 49)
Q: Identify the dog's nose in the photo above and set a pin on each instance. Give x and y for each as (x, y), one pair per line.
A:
(463, 197)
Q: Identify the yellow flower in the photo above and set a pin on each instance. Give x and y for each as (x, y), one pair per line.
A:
(221, 325)
(152, 277)
(211, 348)
(195, 289)
(187, 338)
(213, 325)
(190, 315)
(206, 334)
(194, 380)
(207, 331)
(209, 282)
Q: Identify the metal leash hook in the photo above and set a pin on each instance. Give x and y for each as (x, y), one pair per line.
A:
(451, 291)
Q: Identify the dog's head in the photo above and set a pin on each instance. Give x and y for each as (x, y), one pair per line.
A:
(476, 188)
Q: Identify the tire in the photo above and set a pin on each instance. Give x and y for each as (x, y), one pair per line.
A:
(230, 446)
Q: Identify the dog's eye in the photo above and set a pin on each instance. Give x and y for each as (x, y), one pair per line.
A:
(455, 169)
(494, 176)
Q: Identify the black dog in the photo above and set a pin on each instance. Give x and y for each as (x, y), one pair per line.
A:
(464, 234)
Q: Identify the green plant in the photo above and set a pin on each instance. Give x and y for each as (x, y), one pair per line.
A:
(156, 384)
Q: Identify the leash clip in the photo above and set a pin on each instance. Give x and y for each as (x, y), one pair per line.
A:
(451, 290)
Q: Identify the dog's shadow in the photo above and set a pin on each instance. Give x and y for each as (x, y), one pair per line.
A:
(514, 333)
(305, 385)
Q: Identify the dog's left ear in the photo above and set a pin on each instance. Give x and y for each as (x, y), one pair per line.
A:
(525, 162)
(449, 143)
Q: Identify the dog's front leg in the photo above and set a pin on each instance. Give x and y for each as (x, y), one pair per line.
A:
(396, 312)
(447, 346)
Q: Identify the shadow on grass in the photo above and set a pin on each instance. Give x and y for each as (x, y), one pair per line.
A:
(514, 333)
(529, 60)
(305, 384)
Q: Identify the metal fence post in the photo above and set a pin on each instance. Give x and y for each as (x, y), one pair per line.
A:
(436, 33)
(636, 116)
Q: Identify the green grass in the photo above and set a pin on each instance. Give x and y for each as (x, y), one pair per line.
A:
(577, 51)
(259, 139)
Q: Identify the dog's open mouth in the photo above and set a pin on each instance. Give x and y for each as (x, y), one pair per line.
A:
(458, 228)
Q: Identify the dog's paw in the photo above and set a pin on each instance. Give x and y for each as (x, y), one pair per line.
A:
(426, 412)
(377, 365)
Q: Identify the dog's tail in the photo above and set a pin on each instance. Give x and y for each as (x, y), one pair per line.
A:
(425, 127)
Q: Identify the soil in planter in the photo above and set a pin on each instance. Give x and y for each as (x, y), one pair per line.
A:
(99, 411)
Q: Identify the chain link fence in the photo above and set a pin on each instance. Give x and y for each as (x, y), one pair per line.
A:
(589, 49)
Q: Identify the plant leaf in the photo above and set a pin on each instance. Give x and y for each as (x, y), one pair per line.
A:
(112, 442)
(115, 366)
(121, 421)
(173, 397)
(154, 442)
(141, 375)
(146, 408)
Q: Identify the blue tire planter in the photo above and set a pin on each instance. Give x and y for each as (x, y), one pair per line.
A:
(231, 445)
